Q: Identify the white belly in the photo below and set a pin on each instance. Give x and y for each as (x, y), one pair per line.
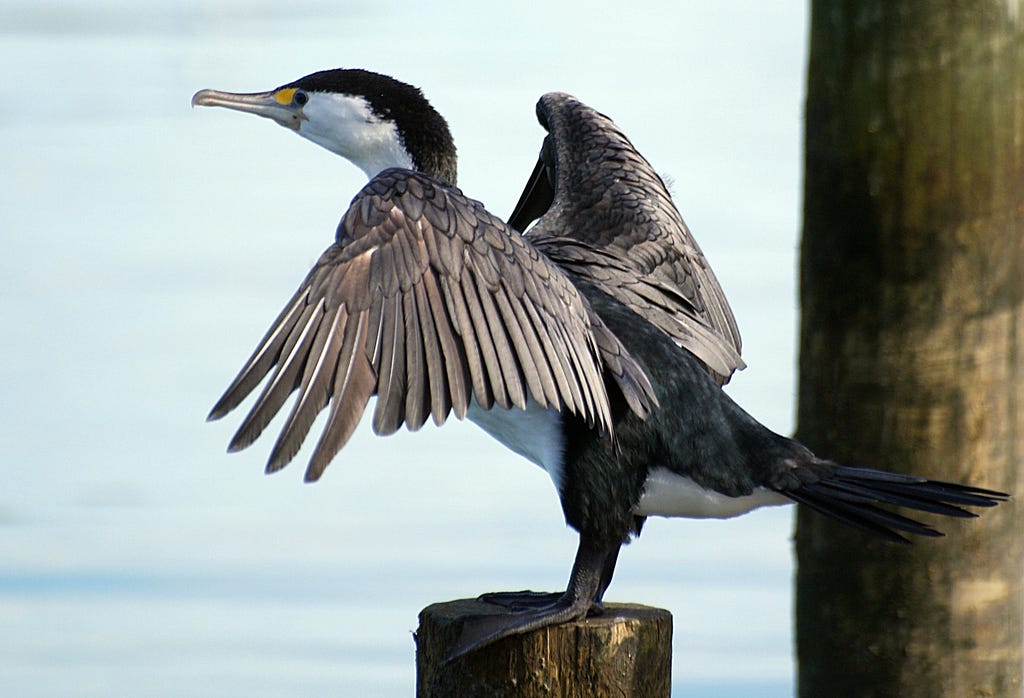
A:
(668, 494)
(534, 433)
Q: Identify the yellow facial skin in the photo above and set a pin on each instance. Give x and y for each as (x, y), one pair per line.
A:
(286, 96)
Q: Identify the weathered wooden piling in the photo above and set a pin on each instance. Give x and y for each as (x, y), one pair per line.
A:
(625, 652)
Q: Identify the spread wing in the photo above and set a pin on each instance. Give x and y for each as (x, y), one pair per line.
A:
(610, 219)
(427, 301)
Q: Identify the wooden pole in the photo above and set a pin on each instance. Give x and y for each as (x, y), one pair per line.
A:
(912, 339)
(626, 652)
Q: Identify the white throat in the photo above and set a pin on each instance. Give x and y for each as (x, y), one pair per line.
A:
(346, 125)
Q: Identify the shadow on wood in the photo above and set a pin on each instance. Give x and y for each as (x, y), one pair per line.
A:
(625, 652)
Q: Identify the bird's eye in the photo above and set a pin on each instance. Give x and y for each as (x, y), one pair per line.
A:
(300, 98)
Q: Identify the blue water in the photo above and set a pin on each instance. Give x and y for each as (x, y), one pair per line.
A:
(146, 246)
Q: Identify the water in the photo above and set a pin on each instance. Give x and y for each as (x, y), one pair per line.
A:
(147, 246)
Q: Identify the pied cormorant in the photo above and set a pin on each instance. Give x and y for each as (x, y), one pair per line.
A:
(595, 344)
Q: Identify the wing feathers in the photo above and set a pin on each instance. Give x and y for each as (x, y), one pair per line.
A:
(390, 412)
(438, 393)
(614, 222)
(539, 370)
(453, 355)
(507, 375)
(354, 383)
(524, 357)
(428, 302)
(484, 342)
(417, 404)
(314, 390)
(557, 360)
(474, 357)
(262, 360)
(282, 383)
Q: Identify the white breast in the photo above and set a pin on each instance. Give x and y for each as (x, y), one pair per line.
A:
(534, 433)
(668, 494)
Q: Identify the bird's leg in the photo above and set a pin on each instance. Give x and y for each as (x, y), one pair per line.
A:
(591, 575)
(597, 607)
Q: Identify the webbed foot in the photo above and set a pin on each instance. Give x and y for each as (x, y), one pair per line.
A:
(530, 610)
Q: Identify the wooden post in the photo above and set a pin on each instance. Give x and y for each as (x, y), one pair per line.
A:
(912, 339)
(626, 652)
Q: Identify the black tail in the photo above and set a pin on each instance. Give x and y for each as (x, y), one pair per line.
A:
(850, 495)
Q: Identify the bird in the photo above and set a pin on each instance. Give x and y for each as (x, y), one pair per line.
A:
(588, 334)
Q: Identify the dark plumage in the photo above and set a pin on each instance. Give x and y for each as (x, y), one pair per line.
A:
(613, 222)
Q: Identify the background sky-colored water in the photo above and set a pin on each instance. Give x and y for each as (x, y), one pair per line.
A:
(146, 247)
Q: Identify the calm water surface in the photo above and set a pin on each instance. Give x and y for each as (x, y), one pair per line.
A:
(147, 246)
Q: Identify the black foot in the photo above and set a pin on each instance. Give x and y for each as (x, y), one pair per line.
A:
(522, 600)
(530, 610)
(480, 631)
(517, 601)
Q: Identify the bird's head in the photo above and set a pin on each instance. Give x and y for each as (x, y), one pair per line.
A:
(372, 120)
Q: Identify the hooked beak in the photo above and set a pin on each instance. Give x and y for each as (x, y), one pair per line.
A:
(276, 105)
(539, 193)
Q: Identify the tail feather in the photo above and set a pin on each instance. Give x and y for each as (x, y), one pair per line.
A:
(851, 495)
(866, 517)
(904, 496)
